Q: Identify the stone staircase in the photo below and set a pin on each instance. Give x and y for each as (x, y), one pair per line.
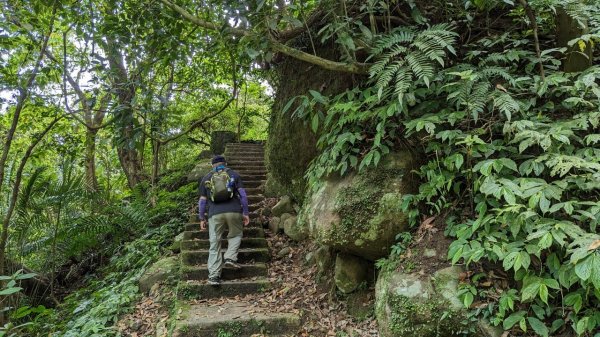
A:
(232, 317)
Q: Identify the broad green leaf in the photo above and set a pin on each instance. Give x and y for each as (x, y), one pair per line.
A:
(538, 326)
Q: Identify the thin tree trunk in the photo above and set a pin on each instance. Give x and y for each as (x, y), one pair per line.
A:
(91, 180)
(24, 93)
(15, 193)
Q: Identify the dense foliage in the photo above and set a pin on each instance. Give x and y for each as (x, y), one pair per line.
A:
(102, 114)
(512, 164)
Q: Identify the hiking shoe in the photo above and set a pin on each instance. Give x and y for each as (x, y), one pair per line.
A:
(232, 264)
(214, 281)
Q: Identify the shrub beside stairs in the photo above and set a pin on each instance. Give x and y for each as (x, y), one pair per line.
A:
(231, 317)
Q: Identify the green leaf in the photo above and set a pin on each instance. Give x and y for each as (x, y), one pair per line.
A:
(511, 320)
(10, 291)
(538, 326)
(468, 299)
(583, 268)
(544, 293)
(315, 123)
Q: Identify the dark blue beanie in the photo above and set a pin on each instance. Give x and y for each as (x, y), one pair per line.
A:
(218, 159)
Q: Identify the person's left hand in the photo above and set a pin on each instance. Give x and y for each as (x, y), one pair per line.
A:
(246, 220)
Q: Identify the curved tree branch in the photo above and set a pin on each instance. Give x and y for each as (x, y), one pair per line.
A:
(355, 68)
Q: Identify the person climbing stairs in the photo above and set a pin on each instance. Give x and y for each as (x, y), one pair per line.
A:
(233, 317)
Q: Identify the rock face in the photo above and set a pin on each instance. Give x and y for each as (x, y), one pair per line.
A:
(283, 206)
(294, 230)
(158, 272)
(416, 305)
(202, 168)
(350, 272)
(323, 258)
(292, 144)
(361, 213)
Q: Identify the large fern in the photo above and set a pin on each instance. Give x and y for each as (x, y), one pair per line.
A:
(407, 57)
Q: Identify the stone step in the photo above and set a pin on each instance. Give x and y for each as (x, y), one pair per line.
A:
(253, 177)
(261, 145)
(245, 255)
(242, 319)
(253, 199)
(252, 183)
(204, 244)
(230, 288)
(245, 162)
(254, 167)
(246, 173)
(254, 191)
(200, 273)
(247, 170)
(195, 233)
(237, 156)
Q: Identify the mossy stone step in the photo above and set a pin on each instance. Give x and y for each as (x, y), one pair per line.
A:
(254, 191)
(245, 145)
(245, 170)
(253, 177)
(230, 288)
(238, 168)
(252, 183)
(204, 244)
(245, 255)
(245, 162)
(193, 232)
(234, 319)
(234, 157)
(200, 273)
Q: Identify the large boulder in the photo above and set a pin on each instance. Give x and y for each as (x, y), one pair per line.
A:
(350, 272)
(294, 230)
(361, 212)
(284, 205)
(160, 271)
(417, 305)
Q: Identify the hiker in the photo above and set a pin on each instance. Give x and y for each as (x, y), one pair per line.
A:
(223, 191)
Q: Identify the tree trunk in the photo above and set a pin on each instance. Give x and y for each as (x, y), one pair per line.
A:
(124, 118)
(91, 181)
(568, 29)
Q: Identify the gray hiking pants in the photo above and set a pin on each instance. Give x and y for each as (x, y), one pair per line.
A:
(216, 227)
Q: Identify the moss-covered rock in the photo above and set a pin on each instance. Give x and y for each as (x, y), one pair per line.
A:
(350, 272)
(200, 170)
(360, 304)
(160, 271)
(275, 224)
(284, 205)
(324, 259)
(416, 305)
(296, 231)
(176, 245)
(361, 213)
(291, 145)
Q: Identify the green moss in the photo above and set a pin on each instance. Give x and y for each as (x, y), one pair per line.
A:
(291, 145)
(411, 318)
(364, 205)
